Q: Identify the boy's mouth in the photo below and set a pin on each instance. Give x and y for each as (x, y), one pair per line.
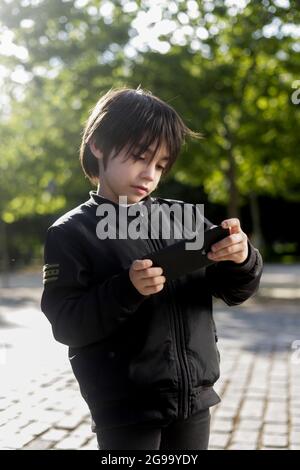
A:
(141, 189)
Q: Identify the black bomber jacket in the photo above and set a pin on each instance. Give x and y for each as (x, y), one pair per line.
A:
(136, 358)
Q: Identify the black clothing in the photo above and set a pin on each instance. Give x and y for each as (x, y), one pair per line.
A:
(189, 434)
(137, 358)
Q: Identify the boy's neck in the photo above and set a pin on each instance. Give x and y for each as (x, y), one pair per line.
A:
(123, 205)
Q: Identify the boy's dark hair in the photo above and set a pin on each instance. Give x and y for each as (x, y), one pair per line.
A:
(124, 116)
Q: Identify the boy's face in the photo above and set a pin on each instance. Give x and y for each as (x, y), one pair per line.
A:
(127, 178)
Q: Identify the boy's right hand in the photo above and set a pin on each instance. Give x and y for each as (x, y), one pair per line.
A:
(145, 279)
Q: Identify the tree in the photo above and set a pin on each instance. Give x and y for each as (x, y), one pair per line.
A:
(228, 70)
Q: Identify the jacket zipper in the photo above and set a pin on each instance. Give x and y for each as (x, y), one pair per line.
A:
(180, 342)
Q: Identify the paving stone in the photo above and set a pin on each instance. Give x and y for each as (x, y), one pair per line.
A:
(254, 394)
(295, 411)
(252, 409)
(218, 440)
(230, 404)
(295, 420)
(39, 444)
(225, 413)
(276, 418)
(9, 429)
(295, 437)
(275, 428)
(271, 440)
(275, 407)
(84, 430)
(277, 397)
(17, 440)
(6, 415)
(250, 437)
(5, 403)
(36, 428)
(222, 425)
(54, 435)
(69, 422)
(249, 424)
(241, 446)
(90, 445)
(50, 417)
(72, 442)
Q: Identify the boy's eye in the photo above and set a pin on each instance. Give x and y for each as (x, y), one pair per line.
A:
(140, 157)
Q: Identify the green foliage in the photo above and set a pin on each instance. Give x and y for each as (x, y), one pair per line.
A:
(235, 87)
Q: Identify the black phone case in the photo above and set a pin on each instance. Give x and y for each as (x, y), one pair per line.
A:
(176, 260)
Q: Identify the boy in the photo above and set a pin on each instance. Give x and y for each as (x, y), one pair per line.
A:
(142, 347)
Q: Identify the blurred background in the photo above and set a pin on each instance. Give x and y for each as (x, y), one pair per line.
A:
(231, 69)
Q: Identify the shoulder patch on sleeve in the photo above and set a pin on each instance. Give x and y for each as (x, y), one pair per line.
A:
(50, 273)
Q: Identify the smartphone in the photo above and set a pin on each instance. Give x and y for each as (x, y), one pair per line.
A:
(176, 260)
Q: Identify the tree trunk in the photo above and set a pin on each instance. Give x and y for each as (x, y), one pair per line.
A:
(233, 209)
(257, 236)
(4, 271)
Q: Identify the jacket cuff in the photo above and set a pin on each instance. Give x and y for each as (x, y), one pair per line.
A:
(127, 295)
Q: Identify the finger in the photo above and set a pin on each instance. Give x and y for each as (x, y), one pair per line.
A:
(233, 257)
(153, 289)
(238, 257)
(151, 272)
(157, 281)
(228, 241)
(139, 264)
(233, 225)
(226, 252)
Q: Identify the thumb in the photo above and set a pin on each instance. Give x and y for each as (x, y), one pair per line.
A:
(233, 225)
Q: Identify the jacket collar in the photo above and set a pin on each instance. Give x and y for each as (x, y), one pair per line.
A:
(96, 199)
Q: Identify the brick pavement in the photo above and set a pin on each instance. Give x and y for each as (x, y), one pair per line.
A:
(260, 377)
(41, 408)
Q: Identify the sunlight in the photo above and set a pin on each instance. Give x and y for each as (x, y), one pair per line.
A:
(9, 48)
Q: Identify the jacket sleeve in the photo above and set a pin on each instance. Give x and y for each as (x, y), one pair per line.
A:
(234, 283)
(80, 310)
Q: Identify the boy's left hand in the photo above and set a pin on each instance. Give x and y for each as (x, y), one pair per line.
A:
(232, 248)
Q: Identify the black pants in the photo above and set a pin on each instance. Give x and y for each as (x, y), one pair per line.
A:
(191, 433)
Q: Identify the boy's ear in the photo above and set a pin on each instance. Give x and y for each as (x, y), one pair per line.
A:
(94, 149)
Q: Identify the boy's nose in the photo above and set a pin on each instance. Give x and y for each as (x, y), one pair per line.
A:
(149, 173)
